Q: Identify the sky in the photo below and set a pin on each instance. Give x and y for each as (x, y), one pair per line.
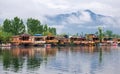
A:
(40, 8)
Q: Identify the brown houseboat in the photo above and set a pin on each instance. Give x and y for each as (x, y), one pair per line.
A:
(22, 39)
(51, 40)
(39, 40)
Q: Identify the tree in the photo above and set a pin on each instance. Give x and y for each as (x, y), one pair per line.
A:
(1, 28)
(14, 26)
(47, 33)
(109, 33)
(7, 25)
(34, 26)
(100, 34)
(5, 37)
(52, 30)
(17, 26)
(46, 28)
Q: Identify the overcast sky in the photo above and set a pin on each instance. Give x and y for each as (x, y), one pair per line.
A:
(39, 8)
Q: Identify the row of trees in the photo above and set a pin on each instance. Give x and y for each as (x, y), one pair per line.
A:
(32, 26)
(16, 26)
(107, 33)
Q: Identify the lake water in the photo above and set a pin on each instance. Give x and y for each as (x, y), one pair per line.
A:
(60, 60)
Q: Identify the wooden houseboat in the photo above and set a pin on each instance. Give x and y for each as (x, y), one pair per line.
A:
(51, 40)
(63, 41)
(118, 41)
(15, 40)
(91, 39)
(75, 40)
(83, 41)
(24, 39)
(39, 40)
(110, 41)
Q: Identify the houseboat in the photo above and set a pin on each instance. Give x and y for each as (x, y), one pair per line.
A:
(51, 40)
(39, 39)
(63, 41)
(15, 40)
(75, 40)
(24, 39)
(118, 41)
(91, 39)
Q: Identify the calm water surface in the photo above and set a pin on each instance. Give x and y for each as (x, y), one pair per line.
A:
(62, 60)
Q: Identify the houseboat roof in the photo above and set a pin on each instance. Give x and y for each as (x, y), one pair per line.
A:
(38, 35)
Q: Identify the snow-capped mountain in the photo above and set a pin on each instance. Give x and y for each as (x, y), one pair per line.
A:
(84, 21)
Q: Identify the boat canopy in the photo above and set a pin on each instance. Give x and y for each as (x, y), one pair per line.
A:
(38, 35)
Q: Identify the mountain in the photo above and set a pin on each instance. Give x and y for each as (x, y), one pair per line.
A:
(85, 21)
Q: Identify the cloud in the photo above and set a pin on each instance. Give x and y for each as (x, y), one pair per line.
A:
(111, 22)
(84, 21)
(39, 8)
(59, 28)
(81, 18)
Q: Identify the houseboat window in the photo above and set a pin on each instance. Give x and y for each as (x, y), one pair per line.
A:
(50, 38)
(118, 39)
(24, 38)
(94, 39)
(38, 39)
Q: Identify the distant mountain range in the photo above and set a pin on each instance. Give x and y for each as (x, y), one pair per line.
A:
(84, 21)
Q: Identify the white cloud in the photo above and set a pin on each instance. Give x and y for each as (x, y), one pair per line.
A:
(59, 28)
(85, 17)
(38, 8)
(111, 22)
(82, 18)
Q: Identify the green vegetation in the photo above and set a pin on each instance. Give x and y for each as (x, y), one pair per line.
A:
(49, 30)
(33, 26)
(5, 37)
(100, 34)
(16, 26)
(108, 33)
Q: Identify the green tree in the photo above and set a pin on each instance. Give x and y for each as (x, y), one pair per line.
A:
(100, 34)
(17, 26)
(1, 28)
(47, 33)
(5, 37)
(34, 26)
(109, 33)
(52, 30)
(14, 26)
(46, 28)
(7, 25)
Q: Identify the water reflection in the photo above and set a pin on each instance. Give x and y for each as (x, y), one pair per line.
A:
(64, 60)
